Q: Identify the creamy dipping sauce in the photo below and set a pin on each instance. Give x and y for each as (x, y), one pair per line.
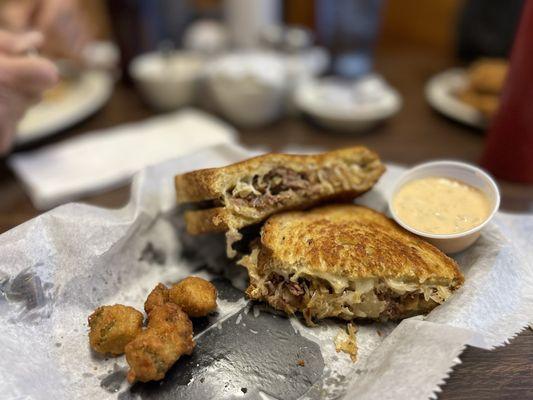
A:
(441, 205)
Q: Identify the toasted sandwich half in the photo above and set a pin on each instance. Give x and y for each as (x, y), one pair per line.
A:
(246, 193)
(349, 262)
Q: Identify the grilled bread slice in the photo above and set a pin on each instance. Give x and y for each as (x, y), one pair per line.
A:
(250, 191)
(349, 262)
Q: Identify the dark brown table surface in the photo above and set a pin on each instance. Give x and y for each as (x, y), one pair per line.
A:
(416, 134)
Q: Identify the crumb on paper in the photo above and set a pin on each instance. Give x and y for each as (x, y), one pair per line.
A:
(345, 341)
(380, 334)
(301, 363)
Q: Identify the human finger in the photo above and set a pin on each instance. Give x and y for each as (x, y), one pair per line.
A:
(19, 43)
(31, 75)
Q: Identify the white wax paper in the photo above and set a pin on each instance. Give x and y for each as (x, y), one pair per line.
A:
(58, 267)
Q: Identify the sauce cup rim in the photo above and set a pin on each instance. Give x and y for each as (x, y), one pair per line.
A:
(483, 174)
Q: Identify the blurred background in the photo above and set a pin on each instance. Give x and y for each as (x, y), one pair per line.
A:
(139, 82)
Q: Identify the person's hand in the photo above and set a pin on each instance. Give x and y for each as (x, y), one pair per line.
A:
(62, 22)
(23, 78)
(64, 25)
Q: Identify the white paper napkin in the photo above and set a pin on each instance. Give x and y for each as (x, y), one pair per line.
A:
(109, 158)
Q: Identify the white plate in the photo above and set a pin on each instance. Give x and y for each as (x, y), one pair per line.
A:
(440, 93)
(80, 100)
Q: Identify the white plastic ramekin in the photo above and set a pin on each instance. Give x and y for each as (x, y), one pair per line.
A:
(450, 243)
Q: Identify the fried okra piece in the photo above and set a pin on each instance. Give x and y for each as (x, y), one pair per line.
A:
(113, 327)
(196, 296)
(157, 297)
(170, 315)
(168, 336)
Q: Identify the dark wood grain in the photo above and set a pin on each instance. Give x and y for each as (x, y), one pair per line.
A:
(416, 134)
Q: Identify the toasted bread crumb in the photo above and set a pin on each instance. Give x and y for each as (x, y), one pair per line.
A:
(345, 341)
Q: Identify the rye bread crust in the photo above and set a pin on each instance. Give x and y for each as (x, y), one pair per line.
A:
(352, 242)
(211, 183)
(216, 183)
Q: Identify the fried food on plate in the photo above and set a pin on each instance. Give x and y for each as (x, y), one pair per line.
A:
(486, 78)
(58, 92)
(485, 103)
(157, 297)
(487, 75)
(246, 193)
(196, 296)
(349, 262)
(168, 336)
(113, 327)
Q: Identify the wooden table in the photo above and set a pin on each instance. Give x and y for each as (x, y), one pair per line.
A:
(416, 134)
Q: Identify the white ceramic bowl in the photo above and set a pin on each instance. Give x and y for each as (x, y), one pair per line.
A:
(167, 82)
(316, 97)
(249, 88)
(452, 243)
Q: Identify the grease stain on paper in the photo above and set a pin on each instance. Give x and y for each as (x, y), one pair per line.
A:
(27, 294)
